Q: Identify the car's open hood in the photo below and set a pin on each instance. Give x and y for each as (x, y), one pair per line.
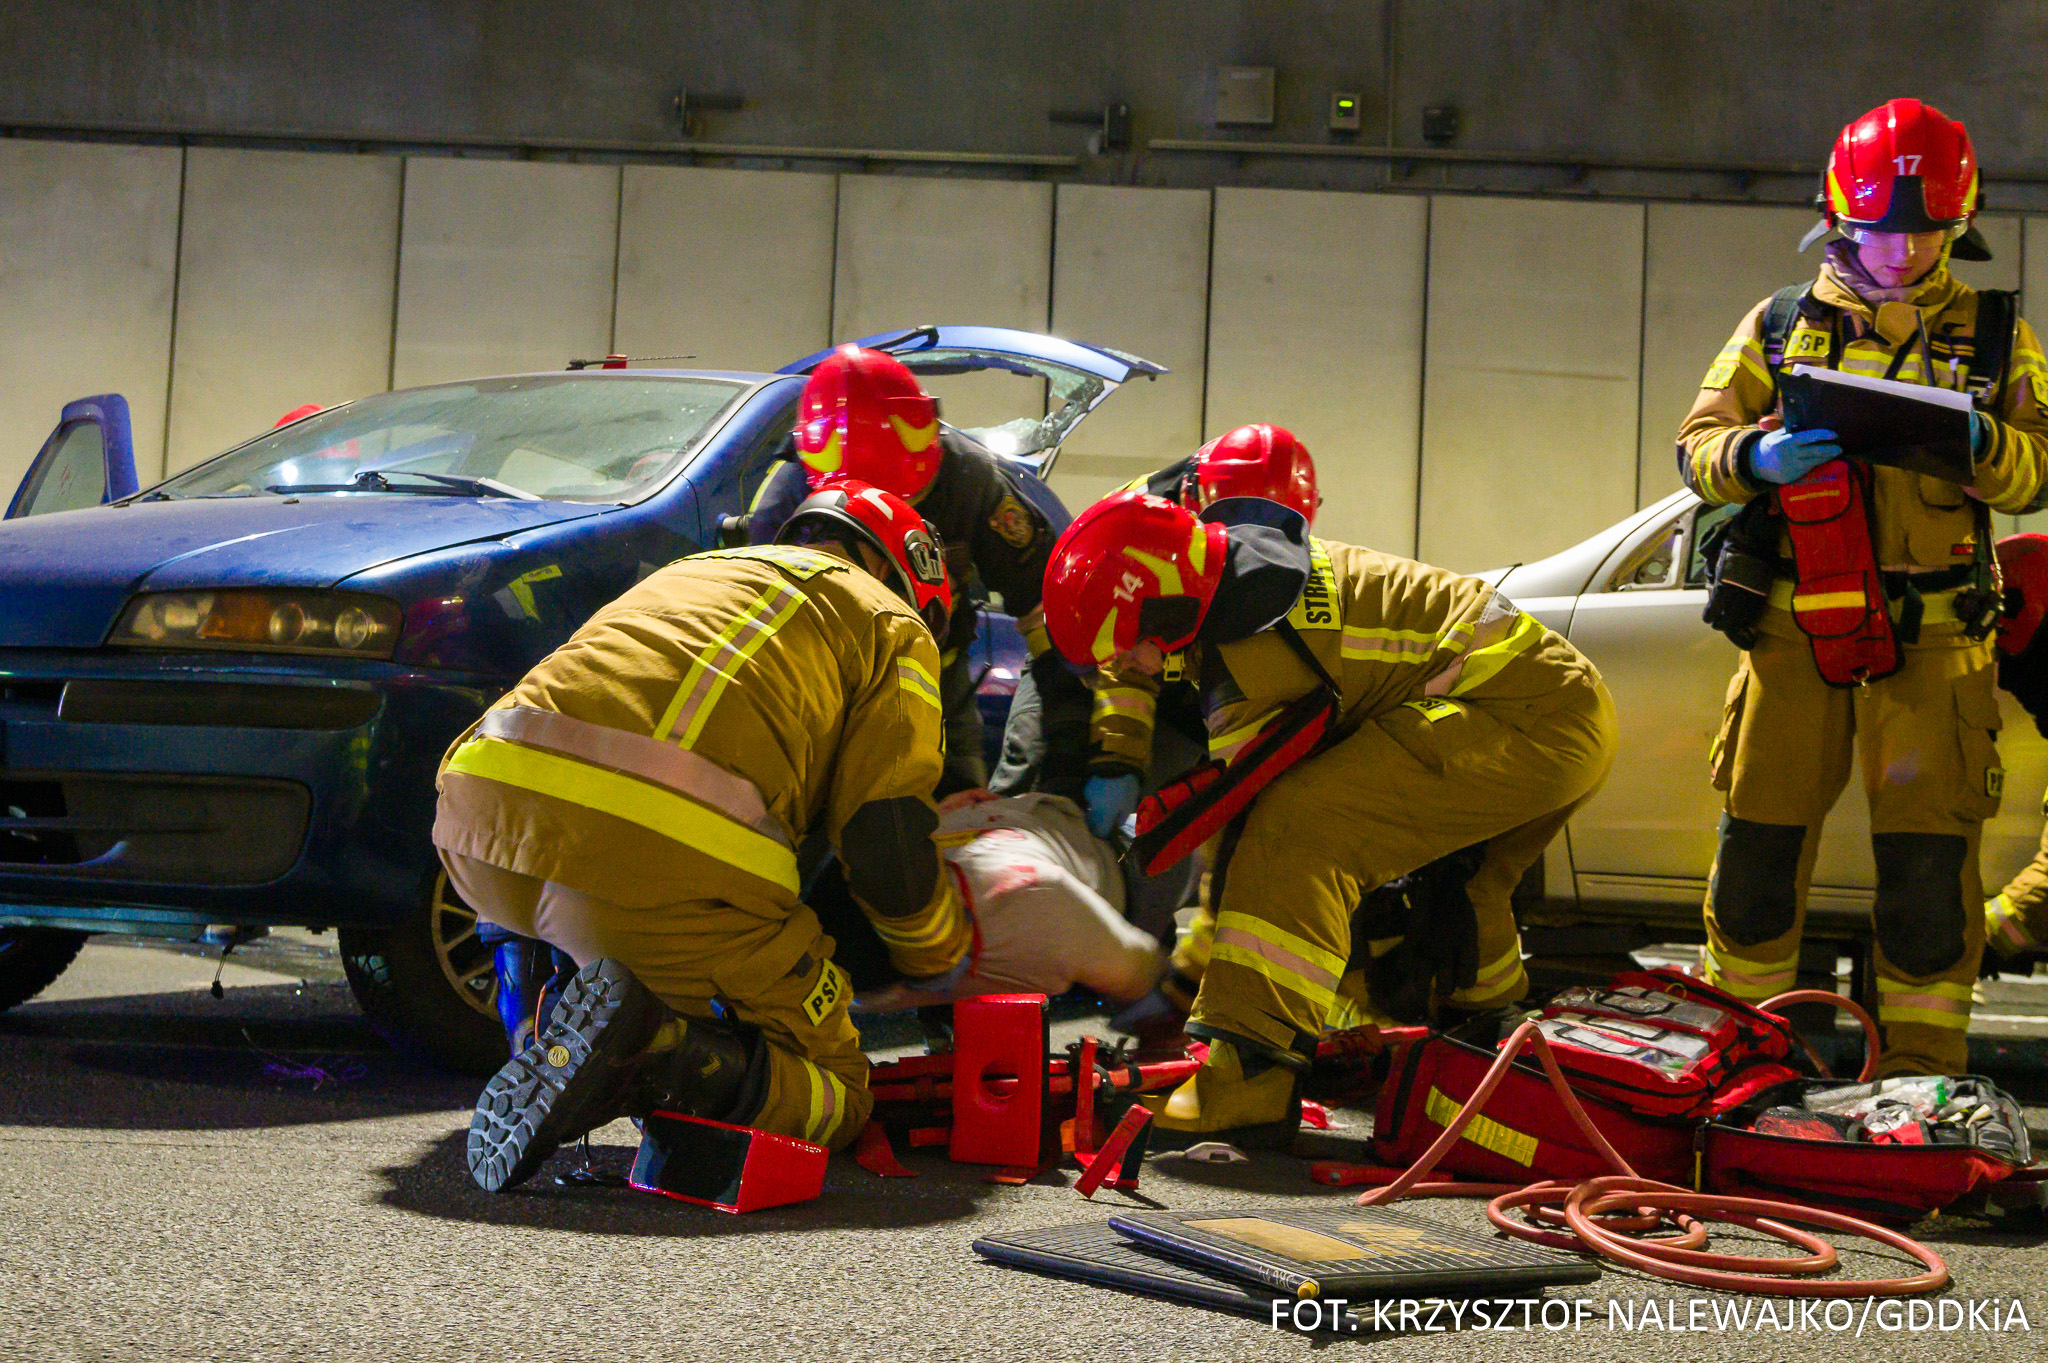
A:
(64, 577)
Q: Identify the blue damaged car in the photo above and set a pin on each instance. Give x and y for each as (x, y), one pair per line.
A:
(223, 698)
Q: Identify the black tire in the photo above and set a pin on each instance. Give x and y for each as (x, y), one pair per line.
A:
(31, 959)
(428, 986)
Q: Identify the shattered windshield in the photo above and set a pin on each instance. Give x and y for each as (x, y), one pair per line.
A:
(563, 437)
(1013, 405)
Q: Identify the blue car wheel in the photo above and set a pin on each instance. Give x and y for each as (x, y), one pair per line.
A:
(428, 984)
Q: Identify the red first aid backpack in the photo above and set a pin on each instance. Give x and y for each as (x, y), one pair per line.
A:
(1651, 1056)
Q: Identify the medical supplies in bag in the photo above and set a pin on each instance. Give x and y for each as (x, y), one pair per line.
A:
(1890, 1150)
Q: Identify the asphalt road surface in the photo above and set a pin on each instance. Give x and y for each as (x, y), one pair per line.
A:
(261, 1178)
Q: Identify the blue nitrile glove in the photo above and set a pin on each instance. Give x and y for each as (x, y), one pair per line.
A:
(1980, 434)
(1110, 800)
(1788, 456)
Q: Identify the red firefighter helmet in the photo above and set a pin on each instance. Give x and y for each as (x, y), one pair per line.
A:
(892, 527)
(1258, 461)
(298, 414)
(1903, 167)
(2023, 563)
(863, 416)
(1131, 568)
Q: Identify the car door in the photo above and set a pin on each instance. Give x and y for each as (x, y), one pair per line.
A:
(1649, 836)
(88, 460)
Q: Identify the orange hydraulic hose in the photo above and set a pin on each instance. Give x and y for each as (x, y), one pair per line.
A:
(1872, 1041)
(1676, 1258)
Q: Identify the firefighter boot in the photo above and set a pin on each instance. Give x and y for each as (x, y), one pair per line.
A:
(576, 1076)
(531, 977)
(1245, 1096)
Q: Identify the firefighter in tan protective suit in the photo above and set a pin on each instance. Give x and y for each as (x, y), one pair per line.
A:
(635, 802)
(1901, 187)
(1454, 719)
(2016, 918)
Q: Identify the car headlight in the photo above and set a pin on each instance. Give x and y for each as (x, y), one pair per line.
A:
(262, 621)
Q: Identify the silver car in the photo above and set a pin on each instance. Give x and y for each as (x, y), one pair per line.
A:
(1635, 859)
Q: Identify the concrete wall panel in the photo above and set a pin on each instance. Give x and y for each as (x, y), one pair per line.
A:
(1131, 270)
(732, 266)
(1705, 265)
(505, 266)
(285, 290)
(1315, 323)
(1529, 418)
(914, 250)
(88, 259)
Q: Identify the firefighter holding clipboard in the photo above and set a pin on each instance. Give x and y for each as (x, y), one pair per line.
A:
(1871, 591)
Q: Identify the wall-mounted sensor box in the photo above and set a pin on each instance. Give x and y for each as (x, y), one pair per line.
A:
(1347, 112)
(1244, 96)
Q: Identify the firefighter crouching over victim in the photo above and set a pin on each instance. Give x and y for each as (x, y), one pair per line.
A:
(1882, 654)
(2016, 918)
(635, 802)
(1146, 728)
(1448, 718)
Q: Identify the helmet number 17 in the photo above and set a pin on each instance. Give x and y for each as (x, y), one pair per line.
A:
(1908, 165)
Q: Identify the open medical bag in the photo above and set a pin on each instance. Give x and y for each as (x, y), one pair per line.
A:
(1651, 1056)
(1892, 1150)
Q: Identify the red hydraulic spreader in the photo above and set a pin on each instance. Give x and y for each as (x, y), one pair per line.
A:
(996, 1038)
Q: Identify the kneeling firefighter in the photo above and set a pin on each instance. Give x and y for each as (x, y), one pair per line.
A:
(2016, 918)
(636, 801)
(1381, 713)
(1868, 591)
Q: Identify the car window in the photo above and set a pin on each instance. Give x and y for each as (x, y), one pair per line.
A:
(1653, 562)
(1704, 519)
(73, 477)
(564, 437)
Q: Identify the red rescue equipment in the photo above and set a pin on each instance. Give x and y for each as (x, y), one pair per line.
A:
(1839, 600)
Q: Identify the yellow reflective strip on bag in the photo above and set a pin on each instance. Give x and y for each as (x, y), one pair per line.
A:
(1827, 601)
(631, 799)
(1484, 1132)
(708, 676)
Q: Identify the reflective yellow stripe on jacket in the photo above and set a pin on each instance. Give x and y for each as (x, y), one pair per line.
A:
(630, 798)
(706, 680)
(1484, 646)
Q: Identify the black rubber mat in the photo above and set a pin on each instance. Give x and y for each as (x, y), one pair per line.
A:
(1093, 1253)
(1350, 1251)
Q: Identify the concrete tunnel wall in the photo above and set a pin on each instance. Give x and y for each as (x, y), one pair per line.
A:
(1488, 361)
(1473, 414)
